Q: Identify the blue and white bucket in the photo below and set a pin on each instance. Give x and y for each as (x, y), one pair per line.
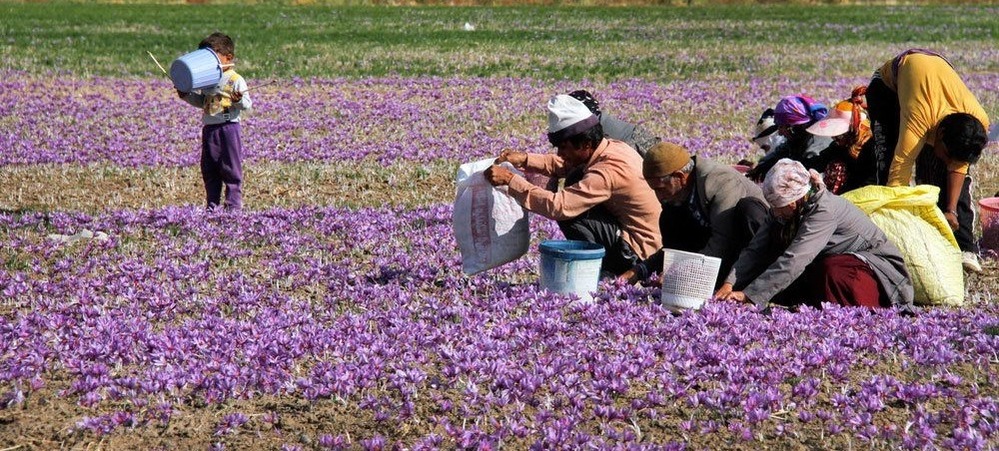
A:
(569, 266)
(201, 68)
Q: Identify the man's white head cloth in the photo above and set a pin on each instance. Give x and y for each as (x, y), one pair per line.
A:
(567, 117)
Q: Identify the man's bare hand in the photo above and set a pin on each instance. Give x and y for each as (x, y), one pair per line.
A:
(498, 175)
(725, 293)
(517, 159)
(952, 220)
(629, 276)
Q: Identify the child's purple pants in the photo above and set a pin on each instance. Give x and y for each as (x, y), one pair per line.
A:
(222, 164)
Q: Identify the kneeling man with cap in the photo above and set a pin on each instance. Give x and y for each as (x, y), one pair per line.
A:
(607, 202)
(708, 208)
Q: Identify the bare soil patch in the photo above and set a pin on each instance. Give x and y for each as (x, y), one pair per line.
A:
(96, 188)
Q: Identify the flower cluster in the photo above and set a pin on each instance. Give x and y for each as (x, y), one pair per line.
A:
(140, 122)
(367, 308)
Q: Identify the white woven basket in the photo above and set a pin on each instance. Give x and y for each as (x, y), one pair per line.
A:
(688, 278)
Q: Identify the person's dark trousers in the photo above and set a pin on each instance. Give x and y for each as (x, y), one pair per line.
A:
(884, 112)
(848, 281)
(865, 170)
(222, 164)
(931, 170)
(751, 213)
(597, 225)
(840, 279)
(680, 231)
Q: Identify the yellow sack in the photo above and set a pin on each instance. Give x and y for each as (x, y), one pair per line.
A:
(911, 219)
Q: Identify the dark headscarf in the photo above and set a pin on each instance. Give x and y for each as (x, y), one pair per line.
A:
(584, 96)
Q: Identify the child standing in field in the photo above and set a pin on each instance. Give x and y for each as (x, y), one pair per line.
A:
(221, 145)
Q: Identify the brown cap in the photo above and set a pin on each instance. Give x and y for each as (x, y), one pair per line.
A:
(664, 159)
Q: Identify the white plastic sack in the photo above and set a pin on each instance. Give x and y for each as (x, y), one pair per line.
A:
(490, 226)
(84, 234)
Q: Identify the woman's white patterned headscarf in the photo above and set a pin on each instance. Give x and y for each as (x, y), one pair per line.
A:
(789, 181)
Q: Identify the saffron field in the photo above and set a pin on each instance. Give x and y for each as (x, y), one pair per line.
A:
(332, 312)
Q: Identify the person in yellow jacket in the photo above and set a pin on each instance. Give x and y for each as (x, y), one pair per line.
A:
(927, 119)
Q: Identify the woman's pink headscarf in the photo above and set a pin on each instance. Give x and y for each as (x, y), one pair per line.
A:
(789, 181)
(797, 110)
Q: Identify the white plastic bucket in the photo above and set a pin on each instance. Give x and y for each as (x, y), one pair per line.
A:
(688, 279)
(201, 68)
(571, 267)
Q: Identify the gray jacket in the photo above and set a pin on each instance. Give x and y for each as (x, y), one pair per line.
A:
(831, 225)
(635, 136)
(719, 188)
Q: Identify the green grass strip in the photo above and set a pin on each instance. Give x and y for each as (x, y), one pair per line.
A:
(596, 43)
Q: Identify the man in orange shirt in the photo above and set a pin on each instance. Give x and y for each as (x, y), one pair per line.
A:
(924, 116)
(607, 202)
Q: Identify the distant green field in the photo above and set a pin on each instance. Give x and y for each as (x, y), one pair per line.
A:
(596, 43)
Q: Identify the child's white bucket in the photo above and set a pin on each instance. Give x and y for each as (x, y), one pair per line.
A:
(201, 68)
(571, 267)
